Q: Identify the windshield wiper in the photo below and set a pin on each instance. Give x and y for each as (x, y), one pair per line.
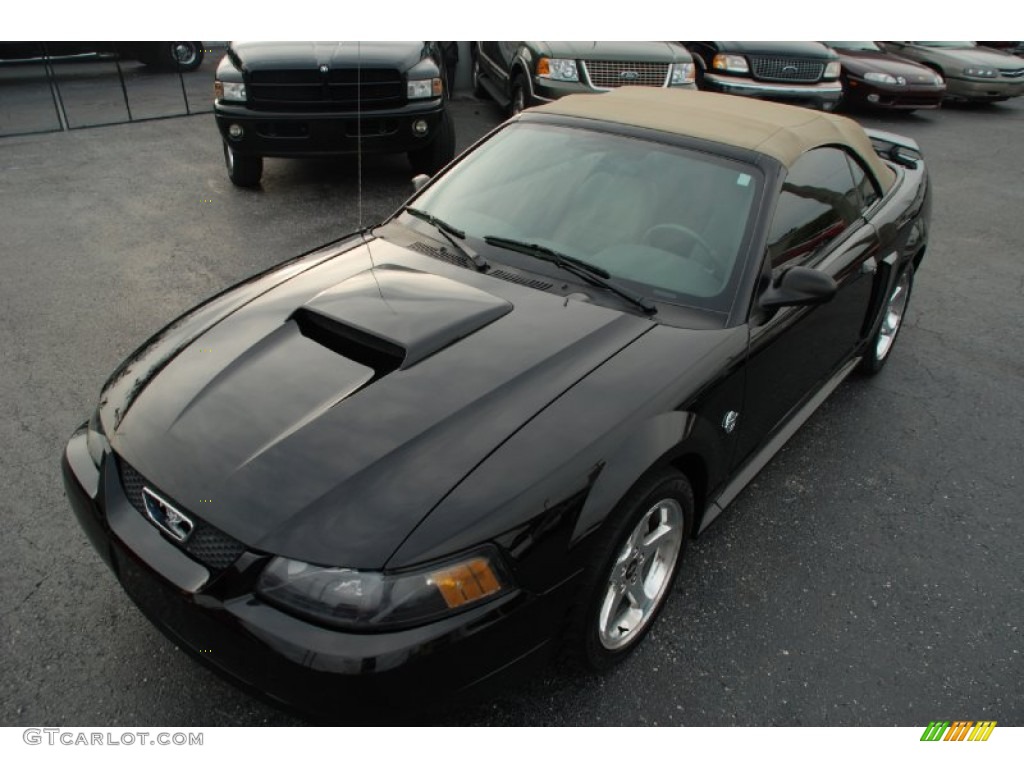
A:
(589, 272)
(450, 233)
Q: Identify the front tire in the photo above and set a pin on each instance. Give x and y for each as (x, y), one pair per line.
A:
(633, 571)
(243, 170)
(520, 95)
(439, 152)
(879, 350)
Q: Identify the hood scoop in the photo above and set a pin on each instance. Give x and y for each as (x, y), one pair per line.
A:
(390, 317)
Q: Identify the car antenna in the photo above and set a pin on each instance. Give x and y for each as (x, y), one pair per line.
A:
(359, 161)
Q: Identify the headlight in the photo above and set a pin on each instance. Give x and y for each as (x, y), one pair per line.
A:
(95, 440)
(832, 69)
(879, 77)
(372, 600)
(425, 89)
(980, 72)
(557, 69)
(229, 91)
(938, 78)
(682, 74)
(729, 63)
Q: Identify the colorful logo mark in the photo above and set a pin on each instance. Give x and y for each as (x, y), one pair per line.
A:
(961, 730)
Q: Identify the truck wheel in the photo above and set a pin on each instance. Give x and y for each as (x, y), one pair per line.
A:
(173, 56)
(438, 153)
(520, 95)
(243, 170)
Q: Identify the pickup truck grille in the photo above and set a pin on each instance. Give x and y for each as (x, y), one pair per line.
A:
(338, 89)
(785, 69)
(612, 74)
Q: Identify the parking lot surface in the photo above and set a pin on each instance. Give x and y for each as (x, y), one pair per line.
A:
(872, 574)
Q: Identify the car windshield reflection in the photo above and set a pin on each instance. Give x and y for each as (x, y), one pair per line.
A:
(668, 220)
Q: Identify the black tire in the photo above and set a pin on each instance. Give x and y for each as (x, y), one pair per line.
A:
(879, 349)
(243, 170)
(478, 88)
(590, 639)
(180, 56)
(520, 95)
(439, 152)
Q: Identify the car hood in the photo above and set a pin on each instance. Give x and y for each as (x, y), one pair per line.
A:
(325, 418)
(859, 62)
(254, 56)
(966, 57)
(802, 48)
(615, 51)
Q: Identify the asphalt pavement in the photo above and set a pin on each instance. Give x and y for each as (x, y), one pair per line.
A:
(872, 574)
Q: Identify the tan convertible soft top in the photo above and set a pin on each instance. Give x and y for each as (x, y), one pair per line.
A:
(777, 130)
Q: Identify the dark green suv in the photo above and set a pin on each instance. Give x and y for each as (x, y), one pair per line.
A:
(519, 75)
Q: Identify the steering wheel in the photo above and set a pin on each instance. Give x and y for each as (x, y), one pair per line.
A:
(703, 253)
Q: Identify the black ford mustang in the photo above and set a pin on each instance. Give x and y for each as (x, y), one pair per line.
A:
(443, 448)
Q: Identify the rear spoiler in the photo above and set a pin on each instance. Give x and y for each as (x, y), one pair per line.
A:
(895, 148)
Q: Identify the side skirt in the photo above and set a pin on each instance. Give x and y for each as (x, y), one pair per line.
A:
(758, 461)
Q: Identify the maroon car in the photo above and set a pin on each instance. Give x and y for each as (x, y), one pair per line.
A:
(873, 78)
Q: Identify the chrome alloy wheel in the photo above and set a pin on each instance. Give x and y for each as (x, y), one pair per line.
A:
(641, 574)
(894, 311)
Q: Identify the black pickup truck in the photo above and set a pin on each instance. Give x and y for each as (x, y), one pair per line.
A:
(314, 99)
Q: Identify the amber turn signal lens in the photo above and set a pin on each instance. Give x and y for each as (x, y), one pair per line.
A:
(218, 89)
(466, 582)
(543, 66)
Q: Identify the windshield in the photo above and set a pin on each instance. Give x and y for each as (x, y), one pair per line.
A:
(948, 44)
(667, 221)
(852, 45)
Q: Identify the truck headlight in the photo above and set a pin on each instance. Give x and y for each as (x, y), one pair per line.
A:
(225, 91)
(558, 69)
(425, 89)
(367, 600)
(832, 70)
(730, 63)
(682, 74)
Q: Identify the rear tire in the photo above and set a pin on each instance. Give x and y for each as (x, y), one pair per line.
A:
(633, 570)
(243, 170)
(179, 56)
(439, 152)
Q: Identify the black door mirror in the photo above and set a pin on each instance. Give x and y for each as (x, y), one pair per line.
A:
(798, 287)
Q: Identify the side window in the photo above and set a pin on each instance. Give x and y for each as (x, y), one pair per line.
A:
(869, 194)
(819, 200)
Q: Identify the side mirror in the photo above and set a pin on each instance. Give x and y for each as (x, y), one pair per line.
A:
(798, 287)
(419, 181)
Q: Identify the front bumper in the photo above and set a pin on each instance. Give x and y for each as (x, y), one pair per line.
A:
(319, 671)
(320, 134)
(820, 95)
(987, 89)
(862, 92)
(545, 90)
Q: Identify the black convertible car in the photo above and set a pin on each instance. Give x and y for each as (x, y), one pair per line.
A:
(448, 446)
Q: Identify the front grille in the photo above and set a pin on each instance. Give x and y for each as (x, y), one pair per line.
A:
(210, 546)
(340, 89)
(1012, 72)
(786, 69)
(612, 74)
